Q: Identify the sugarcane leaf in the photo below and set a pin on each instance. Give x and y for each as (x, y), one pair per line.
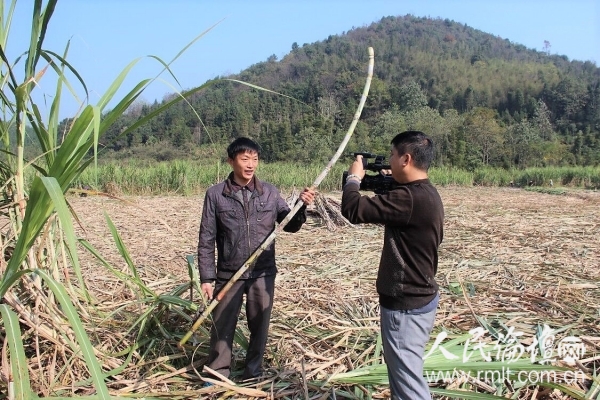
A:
(193, 272)
(18, 360)
(463, 394)
(455, 288)
(125, 254)
(85, 346)
(378, 348)
(64, 215)
(594, 388)
(566, 389)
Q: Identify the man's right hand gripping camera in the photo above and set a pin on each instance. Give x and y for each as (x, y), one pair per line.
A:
(379, 183)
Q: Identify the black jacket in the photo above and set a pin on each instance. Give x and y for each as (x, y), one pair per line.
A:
(236, 236)
(413, 216)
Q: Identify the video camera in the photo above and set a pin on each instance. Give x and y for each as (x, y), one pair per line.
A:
(380, 184)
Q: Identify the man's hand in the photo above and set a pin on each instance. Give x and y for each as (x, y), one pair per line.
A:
(207, 290)
(356, 168)
(307, 196)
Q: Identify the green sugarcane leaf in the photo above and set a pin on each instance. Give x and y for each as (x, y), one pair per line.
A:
(566, 389)
(125, 254)
(18, 360)
(64, 215)
(193, 271)
(462, 394)
(455, 288)
(85, 346)
(5, 25)
(176, 301)
(378, 348)
(59, 68)
(595, 388)
(39, 209)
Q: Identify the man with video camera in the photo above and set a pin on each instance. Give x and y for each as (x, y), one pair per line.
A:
(413, 216)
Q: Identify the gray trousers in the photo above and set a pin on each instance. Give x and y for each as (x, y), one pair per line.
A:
(259, 303)
(404, 336)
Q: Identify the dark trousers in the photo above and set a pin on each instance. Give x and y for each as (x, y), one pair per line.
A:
(259, 303)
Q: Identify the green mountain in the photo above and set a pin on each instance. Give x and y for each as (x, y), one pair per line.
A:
(485, 100)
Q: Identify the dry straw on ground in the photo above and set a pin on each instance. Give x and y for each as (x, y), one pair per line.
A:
(510, 258)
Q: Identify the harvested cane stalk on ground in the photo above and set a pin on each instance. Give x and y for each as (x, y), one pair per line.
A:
(328, 209)
(325, 208)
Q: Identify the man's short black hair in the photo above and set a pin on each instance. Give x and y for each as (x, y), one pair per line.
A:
(418, 145)
(242, 145)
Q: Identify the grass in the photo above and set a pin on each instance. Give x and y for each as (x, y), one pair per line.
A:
(183, 177)
(186, 177)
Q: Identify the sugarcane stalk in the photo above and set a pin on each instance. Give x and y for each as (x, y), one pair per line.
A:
(279, 227)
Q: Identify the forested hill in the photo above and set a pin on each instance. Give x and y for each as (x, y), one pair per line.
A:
(484, 99)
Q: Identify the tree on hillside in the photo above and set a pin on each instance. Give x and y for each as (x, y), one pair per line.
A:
(384, 128)
(567, 101)
(542, 121)
(411, 97)
(484, 133)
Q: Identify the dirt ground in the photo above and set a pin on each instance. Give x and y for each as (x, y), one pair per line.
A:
(520, 257)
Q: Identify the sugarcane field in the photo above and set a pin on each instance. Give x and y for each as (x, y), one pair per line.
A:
(519, 281)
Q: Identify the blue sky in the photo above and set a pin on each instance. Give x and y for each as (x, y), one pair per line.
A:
(106, 35)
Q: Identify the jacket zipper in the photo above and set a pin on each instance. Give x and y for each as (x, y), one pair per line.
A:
(246, 213)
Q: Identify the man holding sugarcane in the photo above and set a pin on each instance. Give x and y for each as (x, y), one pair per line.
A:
(238, 215)
(413, 216)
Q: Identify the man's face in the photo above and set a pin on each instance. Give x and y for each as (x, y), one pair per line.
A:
(244, 165)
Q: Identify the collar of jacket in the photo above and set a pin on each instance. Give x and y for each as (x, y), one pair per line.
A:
(228, 189)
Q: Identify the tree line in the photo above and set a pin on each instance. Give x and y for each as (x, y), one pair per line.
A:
(485, 100)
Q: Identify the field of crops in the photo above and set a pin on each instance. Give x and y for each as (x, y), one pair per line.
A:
(512, 262)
